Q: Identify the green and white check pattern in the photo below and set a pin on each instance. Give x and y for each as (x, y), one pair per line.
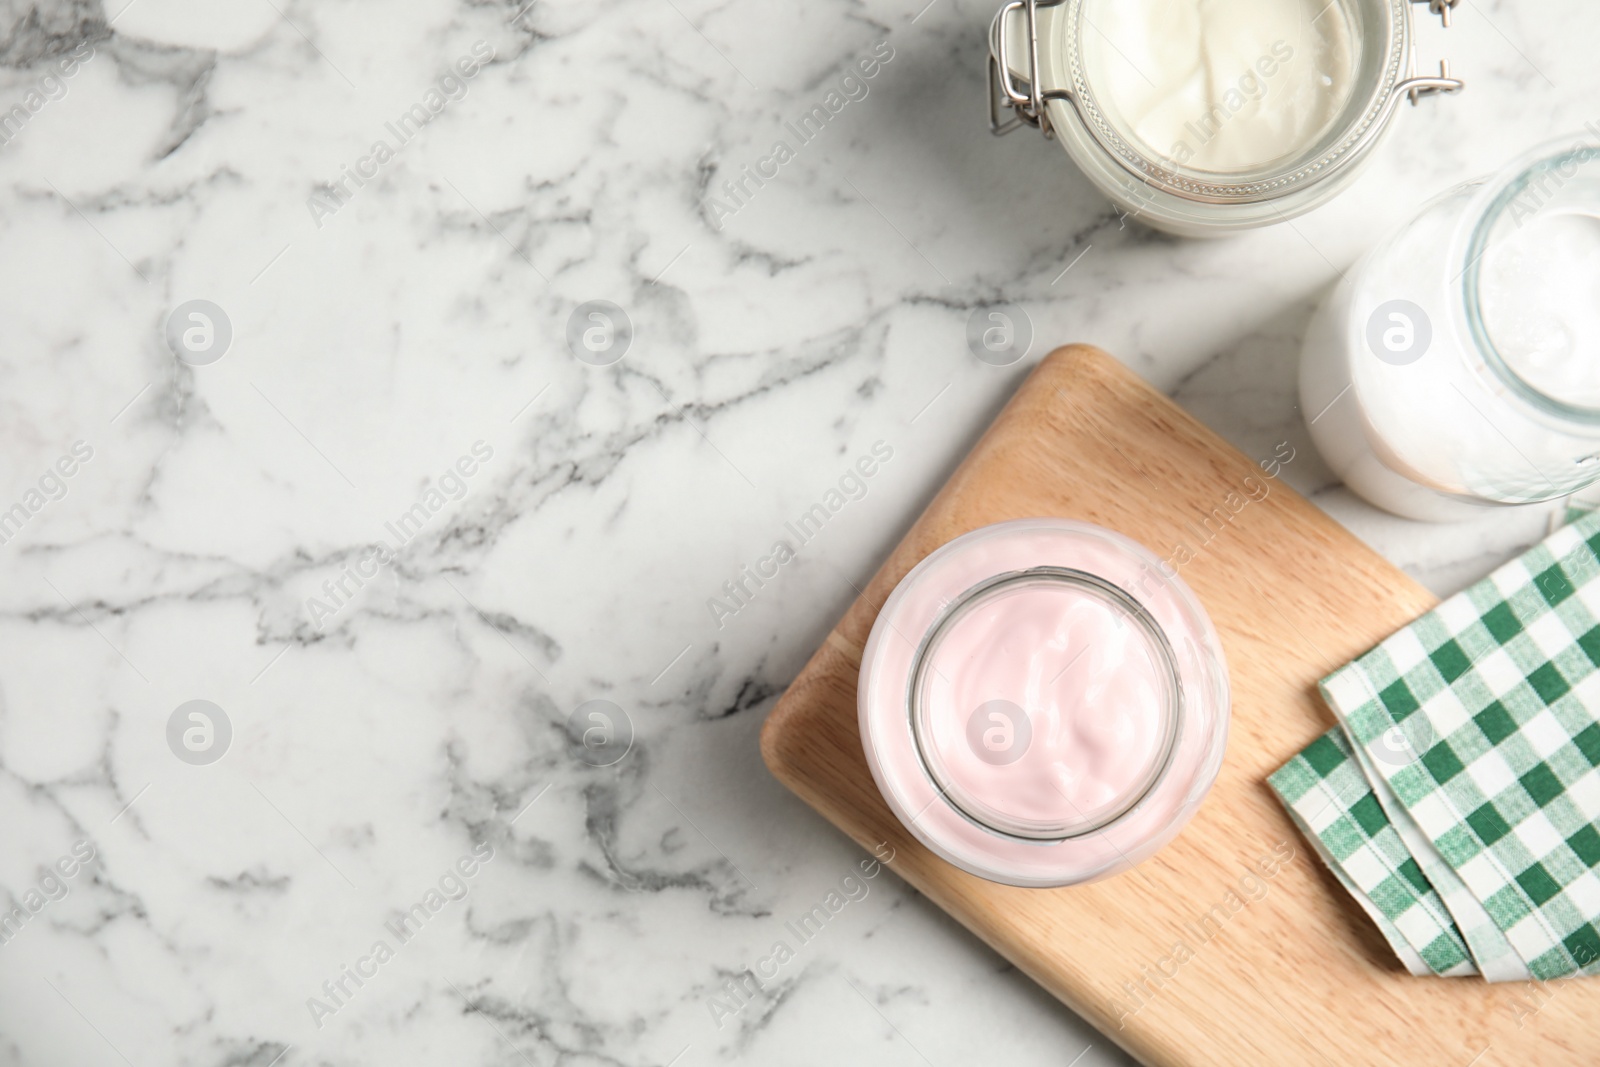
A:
(1329, 799)
(1475, 732)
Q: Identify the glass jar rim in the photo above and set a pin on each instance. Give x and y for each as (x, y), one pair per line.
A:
(1499, 199)
(1127, 609)
(1368, 120)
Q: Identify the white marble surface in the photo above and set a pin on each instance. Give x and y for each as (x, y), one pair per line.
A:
(428, 313)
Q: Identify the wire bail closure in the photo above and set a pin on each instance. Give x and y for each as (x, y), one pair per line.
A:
(1416, 87)
(1028, 102)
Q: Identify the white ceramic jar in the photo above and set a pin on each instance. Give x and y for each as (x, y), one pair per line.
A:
(1201, 117)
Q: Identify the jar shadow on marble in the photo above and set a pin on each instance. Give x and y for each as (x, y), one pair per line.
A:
(1247, 392)
(1009, 204)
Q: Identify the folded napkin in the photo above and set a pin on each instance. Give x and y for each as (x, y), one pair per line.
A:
(1458, 800)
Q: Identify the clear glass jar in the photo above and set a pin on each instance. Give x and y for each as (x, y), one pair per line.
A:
(1201, 119)
(1042, 704)
(1457, 366)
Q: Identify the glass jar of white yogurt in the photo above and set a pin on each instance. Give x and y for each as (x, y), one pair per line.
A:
(1457, 366)
(1201, 117)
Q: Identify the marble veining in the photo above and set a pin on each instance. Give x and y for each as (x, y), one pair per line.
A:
(402, 655)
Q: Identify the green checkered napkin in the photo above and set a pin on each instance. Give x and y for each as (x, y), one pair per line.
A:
(1329, 799)
(1459, 799)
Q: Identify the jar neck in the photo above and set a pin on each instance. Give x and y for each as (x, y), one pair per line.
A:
(1558, 179)
(1145, 635)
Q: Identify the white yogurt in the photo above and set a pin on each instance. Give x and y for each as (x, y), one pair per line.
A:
(1221, 85)
(1540, 297)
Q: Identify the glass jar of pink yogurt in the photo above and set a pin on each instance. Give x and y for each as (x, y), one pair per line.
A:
(1043, 702)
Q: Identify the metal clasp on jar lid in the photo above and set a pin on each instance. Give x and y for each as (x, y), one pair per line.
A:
(1027, 103)
(1416, 87)
(1026, 98)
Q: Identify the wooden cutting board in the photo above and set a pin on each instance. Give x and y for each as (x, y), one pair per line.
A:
(1277, 965)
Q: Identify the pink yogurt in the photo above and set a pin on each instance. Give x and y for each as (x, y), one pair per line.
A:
(1041, 704)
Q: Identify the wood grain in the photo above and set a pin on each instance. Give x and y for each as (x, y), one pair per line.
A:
(1197, 956)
